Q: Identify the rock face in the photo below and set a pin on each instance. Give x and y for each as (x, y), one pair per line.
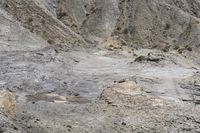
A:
(144, 23)
(14, 37)
(154, 23)
(7, 103)
(91, 17)
(33, 16)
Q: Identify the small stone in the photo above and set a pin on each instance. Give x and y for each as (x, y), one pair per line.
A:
(124, 123)
(148, 92)
(76, 94)
(189, 49)
(122, 81)
(69, 126)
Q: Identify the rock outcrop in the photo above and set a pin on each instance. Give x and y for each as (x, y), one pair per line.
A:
(93, 18)
(144, 23)
(7, 103)
(67, 61)
(14, 37)
(33, 16)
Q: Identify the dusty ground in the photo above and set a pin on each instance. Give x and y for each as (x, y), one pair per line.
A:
(84, 67)
(63, 91)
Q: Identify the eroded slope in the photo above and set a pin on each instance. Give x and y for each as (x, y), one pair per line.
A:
(33, 16)
(144, 23)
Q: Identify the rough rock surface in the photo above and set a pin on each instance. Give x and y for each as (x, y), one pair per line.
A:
(39, 20)
(7, 103)
(14, 37)
(131, 110)
(8, 125)
(92, 19)
(144, 23)
(122, 107)
(100, 66)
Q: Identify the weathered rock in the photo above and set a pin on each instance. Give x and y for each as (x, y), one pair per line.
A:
(33, 16)
(112, 94)
(143, 23)
(127, 88)
(7, 125)
(91, 17)
(13, 36)
(156, 23)
(7, 103)
(42, 76)
(114, 43)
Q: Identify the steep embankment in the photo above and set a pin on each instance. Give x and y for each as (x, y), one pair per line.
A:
(14, 37)
(162, 24)
(33, 16)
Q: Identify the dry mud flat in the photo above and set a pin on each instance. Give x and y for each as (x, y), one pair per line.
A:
(98, 91)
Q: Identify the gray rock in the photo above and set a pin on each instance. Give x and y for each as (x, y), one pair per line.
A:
(141, 23)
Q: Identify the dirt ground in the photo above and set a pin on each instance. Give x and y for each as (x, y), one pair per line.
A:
(73, 71)
(73, 91)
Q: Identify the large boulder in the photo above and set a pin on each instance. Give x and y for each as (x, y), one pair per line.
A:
(7, 103)
(91, 17)
(120, 91)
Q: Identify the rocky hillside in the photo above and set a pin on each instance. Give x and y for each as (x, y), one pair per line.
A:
(99, 66)
(145, 23)
(33, 15)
